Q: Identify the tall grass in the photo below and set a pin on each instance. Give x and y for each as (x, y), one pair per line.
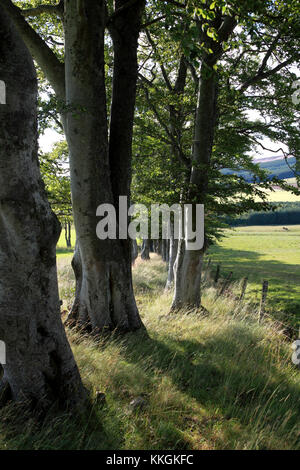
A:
(208, 382)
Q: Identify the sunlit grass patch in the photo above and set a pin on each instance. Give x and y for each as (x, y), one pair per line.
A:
(220, 381)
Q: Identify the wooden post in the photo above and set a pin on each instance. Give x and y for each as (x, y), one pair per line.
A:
(263, 301)
(206, 271)
(244, 287)
(226, 283)
(217, 274)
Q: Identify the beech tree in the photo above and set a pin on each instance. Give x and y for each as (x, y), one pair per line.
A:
(100, 167)
(40, 367)
(272, 32)
(233, 71)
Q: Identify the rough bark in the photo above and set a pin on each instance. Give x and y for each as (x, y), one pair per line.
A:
(104, 294)
(40, 367)
(188, 267)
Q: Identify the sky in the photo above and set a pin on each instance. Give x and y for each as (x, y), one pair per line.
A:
(49, 138)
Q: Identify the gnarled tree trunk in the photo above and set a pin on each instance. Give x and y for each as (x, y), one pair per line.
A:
(104, 293)
(40, 367)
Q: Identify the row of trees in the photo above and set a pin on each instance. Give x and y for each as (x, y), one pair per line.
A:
(192, 71)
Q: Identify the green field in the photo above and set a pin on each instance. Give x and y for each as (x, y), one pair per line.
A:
(281, 196)
(61, 249)
(264, 253)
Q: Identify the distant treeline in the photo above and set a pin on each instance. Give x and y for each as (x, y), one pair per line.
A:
(285, 213)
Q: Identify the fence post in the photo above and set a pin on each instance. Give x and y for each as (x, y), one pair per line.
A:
(226, 283)
(263, 301)
(206, 271)
(217, 275)
(244, 287)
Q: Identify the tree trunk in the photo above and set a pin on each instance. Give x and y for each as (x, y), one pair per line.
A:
(167, 251)
(134, 251)
(69, 241)
(159, 247)
(188, 266)
(67, 229)
(189, 262)
(40, 367)
(172, 257)
(145, 249)
(163, 249)
(104, 293)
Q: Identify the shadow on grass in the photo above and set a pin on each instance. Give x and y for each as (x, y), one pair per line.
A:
(284, 278)
(225, 375)
(229, 375)
(64, 251)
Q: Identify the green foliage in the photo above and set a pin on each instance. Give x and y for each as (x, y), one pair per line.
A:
(254, 103)
(55, 173)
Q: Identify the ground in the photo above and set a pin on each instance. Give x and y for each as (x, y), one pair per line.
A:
(265, 253)
(215, 382)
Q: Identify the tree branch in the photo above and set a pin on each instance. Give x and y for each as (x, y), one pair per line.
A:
(263, 75)
(176, 4)
(162, 67)
(57, 9)
(155, 20)
(268, 54)
(120, 10)
(42, 53)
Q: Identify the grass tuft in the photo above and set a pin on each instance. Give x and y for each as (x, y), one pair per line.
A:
(208, 382)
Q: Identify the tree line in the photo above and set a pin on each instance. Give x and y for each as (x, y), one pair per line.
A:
(154, 100)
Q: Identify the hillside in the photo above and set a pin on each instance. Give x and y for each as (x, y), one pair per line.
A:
(276, 167)
(215, 382)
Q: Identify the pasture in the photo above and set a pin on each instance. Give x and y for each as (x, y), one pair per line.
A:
(264, 253)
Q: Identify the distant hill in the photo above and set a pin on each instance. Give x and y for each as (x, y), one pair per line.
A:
(276, 166)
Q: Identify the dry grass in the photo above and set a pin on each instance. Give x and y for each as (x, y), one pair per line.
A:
(215, 382)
